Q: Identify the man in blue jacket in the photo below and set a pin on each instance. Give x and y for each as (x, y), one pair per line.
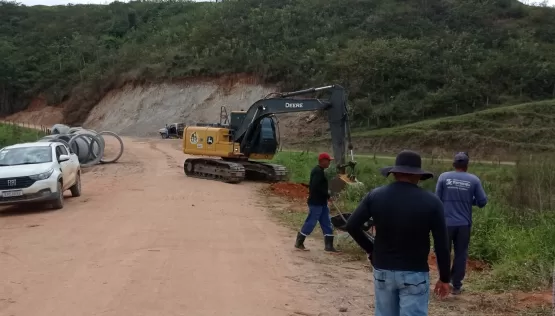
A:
(459, 191)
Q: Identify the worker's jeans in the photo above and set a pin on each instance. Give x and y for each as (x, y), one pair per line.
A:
(401, 293)
(321, 214)
(459, 238)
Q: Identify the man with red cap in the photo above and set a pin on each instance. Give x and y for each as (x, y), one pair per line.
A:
(318, 210)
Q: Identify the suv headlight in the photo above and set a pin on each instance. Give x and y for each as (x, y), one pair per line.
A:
(42, 176)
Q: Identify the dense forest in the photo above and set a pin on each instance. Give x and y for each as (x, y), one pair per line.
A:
(401, 60)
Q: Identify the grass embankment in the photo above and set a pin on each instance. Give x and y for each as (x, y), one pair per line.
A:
(12, 134)
(498, 133)
(514, 233)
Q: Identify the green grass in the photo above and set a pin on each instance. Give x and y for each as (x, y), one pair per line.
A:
(503, 133)
(12, 134)
(514, 233)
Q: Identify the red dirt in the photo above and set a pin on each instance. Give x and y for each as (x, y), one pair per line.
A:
(471, 265)
(38, 113)
(296, 191)
(526, 300)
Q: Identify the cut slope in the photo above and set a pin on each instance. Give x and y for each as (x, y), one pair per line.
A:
(38, 113)
(142, 110)
(499, 132)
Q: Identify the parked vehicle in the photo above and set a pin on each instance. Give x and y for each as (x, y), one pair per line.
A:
(174, 130)
(38, 172)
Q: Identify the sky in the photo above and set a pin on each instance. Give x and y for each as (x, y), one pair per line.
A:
(63, 2)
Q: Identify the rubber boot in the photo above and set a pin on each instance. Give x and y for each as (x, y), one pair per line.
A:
(328, 241)
(299, 243)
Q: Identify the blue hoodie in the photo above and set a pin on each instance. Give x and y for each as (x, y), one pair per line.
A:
(459, 191)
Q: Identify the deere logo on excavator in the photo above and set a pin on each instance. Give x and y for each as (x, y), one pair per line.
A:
(293, 105)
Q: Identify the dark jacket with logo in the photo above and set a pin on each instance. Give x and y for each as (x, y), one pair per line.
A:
(318, 187)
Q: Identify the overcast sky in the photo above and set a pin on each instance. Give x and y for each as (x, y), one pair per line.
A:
(63, 2)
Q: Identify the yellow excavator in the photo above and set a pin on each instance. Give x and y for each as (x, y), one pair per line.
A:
(232, 147)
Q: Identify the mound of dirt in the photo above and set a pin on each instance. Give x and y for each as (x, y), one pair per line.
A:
(297, 191)
(471, 265)
(38, 113)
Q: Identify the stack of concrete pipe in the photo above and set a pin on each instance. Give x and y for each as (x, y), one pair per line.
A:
(87, 144)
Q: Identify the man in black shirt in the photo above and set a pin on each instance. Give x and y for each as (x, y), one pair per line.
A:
(318, 210)
(403, 215)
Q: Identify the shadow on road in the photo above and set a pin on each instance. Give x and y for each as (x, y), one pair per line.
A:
(27, 209)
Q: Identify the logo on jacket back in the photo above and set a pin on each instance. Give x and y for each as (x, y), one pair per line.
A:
(457, 184)
(293, 105)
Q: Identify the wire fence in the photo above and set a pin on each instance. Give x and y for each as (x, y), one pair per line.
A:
(12, 132)
(42, 128)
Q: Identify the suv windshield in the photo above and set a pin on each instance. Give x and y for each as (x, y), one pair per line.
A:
(25, 156)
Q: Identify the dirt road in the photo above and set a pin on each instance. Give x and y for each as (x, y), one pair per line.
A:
(143, 239)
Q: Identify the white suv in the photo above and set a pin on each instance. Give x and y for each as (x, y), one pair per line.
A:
(38, 173)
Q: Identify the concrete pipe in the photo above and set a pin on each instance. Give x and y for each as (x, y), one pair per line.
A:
(80, 147)
(97, 147)
(49, 137)
(74, 129)
(60, 129)
(118, 156)
(88, 145)
(83, 145)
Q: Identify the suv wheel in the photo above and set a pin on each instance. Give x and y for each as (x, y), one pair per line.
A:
(59, 202)
(76, 188)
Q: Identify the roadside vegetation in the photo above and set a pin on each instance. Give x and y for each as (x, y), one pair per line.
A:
(513, 234)
(401, 61)
(13, 134)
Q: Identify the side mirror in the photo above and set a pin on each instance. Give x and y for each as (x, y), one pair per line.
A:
(63, 158)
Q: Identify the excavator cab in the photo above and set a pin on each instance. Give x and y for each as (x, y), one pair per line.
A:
(264, 139)
(237, 118)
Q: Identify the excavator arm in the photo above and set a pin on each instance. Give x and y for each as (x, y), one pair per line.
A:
(335, 105)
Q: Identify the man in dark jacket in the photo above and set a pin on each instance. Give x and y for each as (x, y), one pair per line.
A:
(318, 210)
(403, 215)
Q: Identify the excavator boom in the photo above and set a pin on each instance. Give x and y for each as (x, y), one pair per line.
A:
(335, 105)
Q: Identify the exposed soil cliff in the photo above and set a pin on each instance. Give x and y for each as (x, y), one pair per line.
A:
(141, 109)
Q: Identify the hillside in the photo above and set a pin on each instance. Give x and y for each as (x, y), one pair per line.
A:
(401, 61)
(502, 132)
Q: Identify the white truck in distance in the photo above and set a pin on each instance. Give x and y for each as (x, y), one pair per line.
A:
(38, 173)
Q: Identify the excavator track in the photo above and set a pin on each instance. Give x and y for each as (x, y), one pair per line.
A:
(214, 169)
(263, 171)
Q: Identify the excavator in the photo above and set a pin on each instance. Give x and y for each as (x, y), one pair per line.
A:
(233, 148)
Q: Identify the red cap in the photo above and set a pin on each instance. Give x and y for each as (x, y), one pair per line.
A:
(324, 156)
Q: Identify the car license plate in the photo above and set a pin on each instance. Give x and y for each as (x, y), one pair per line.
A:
(12, 193)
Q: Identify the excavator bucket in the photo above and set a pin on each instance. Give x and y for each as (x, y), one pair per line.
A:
(341, 181)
